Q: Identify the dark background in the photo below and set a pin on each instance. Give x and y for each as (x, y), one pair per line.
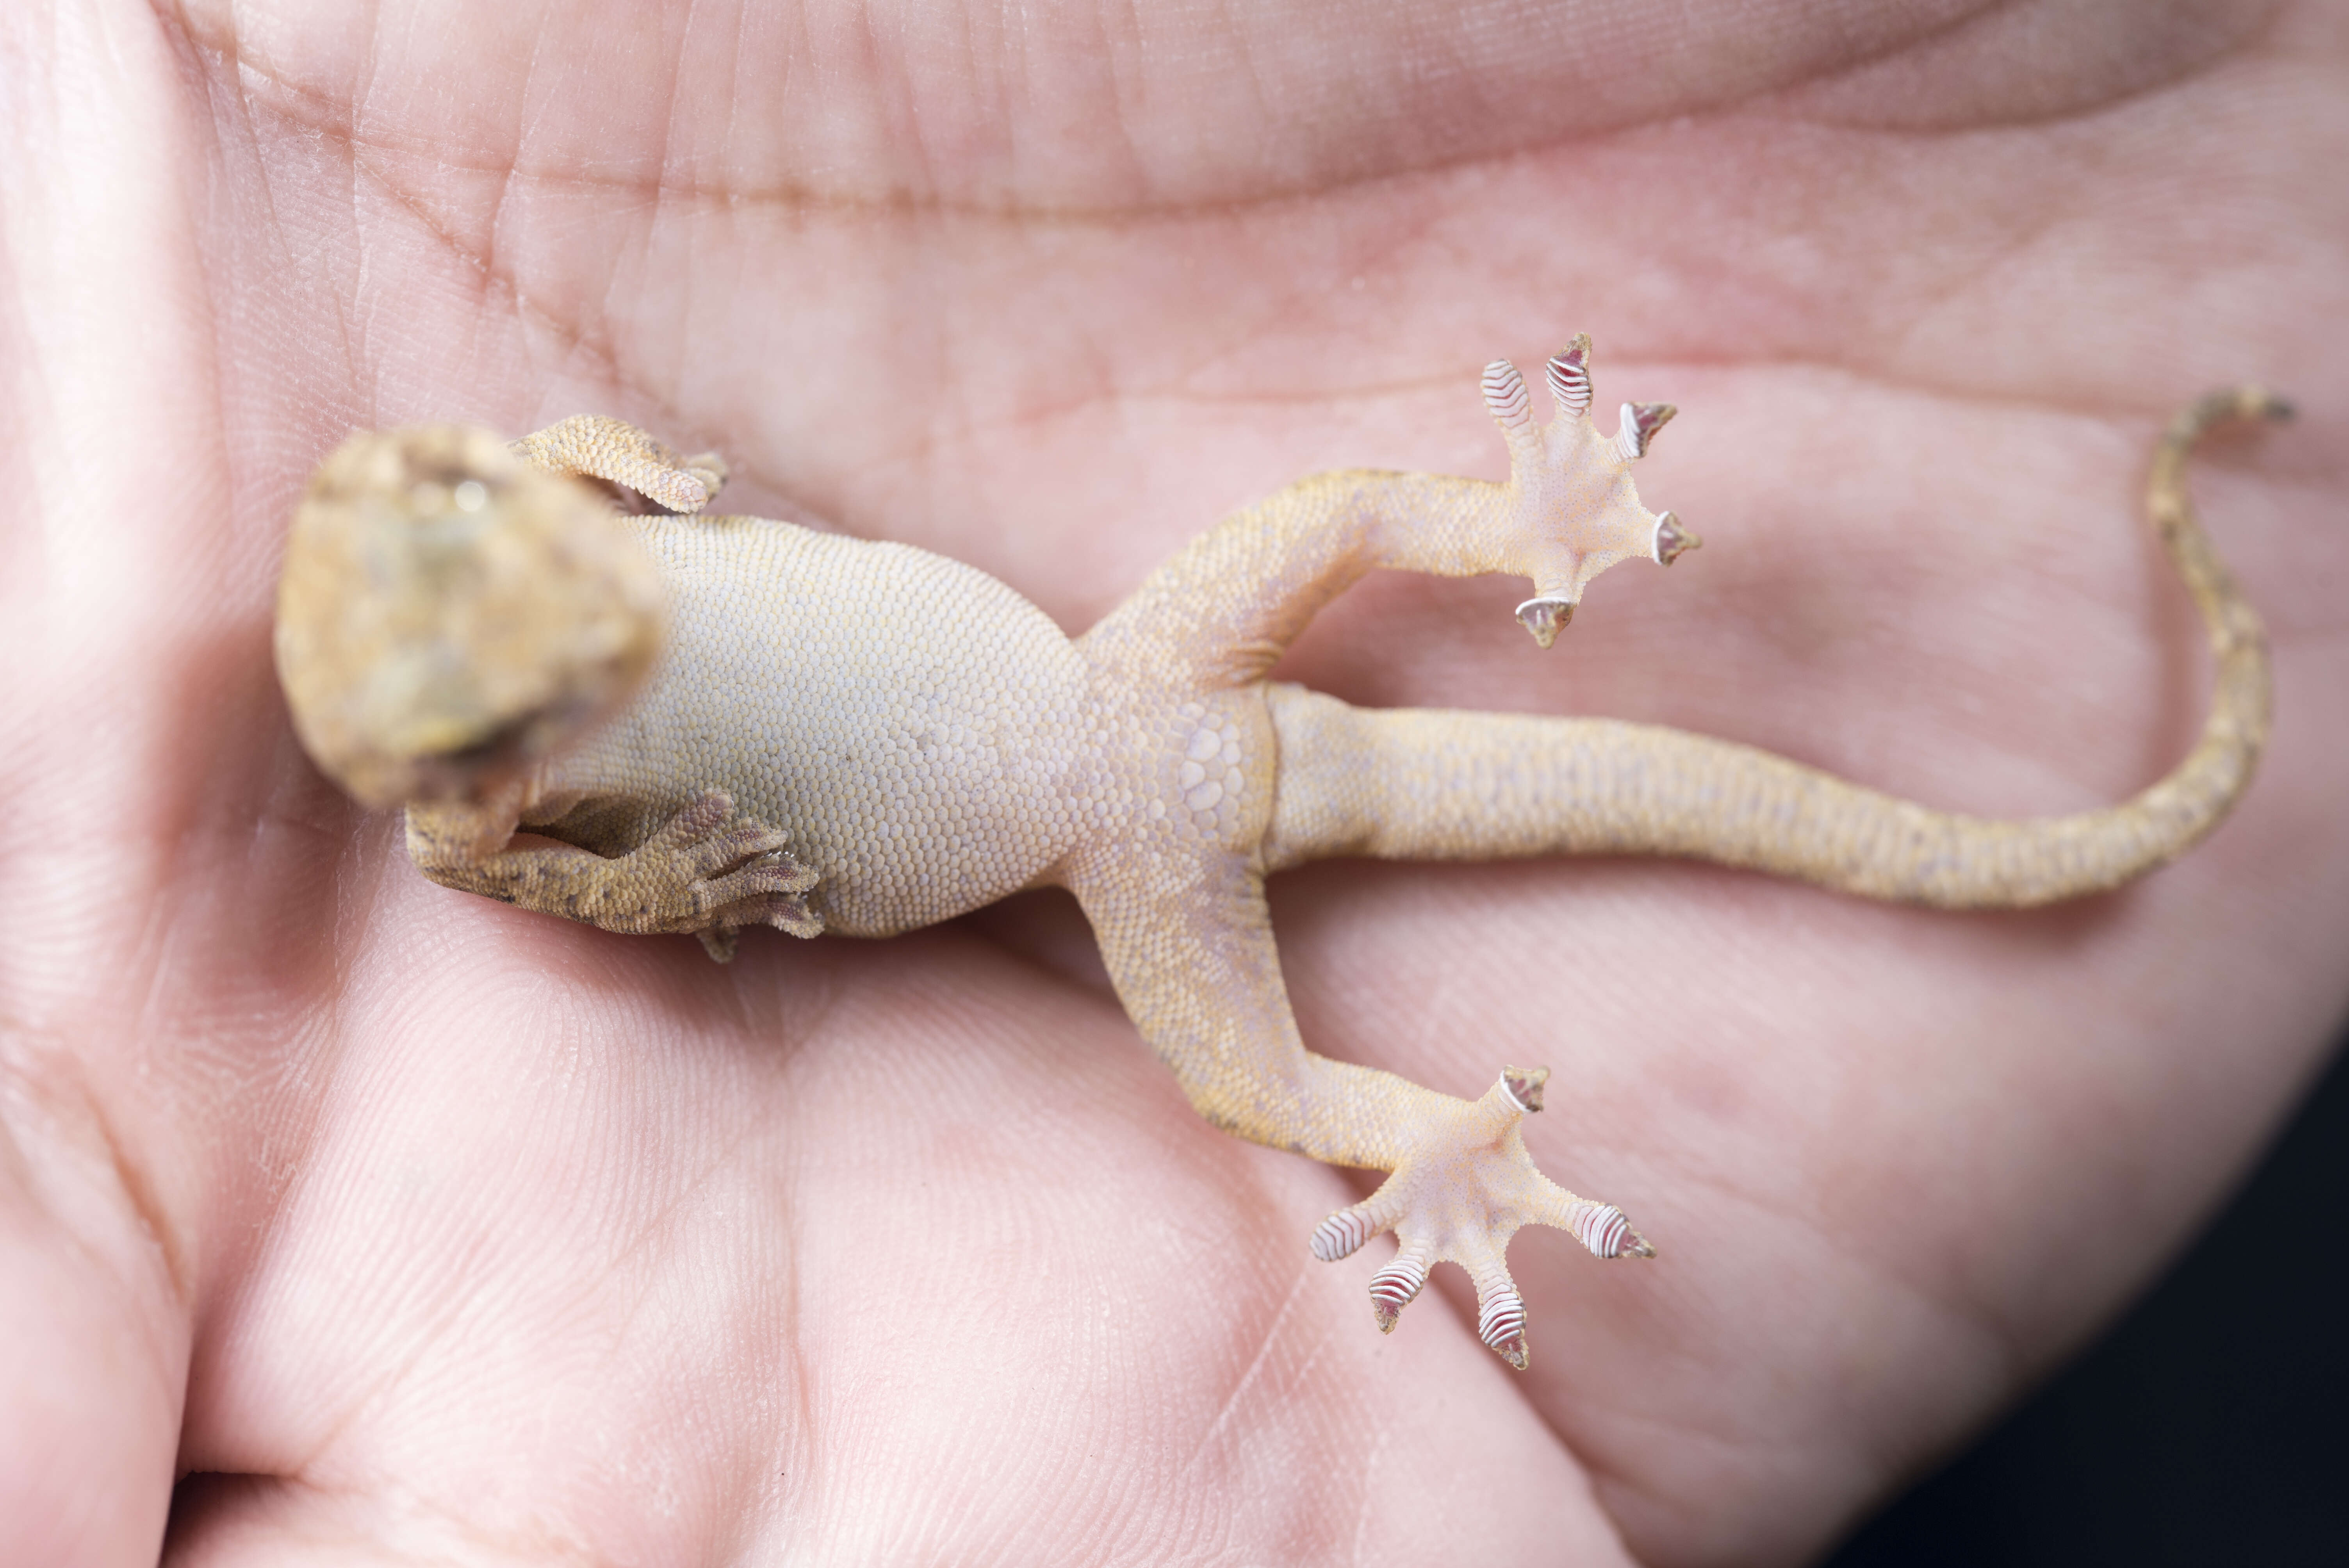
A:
(2209, 1426)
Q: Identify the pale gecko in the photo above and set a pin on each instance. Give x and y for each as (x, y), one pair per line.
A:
(706, 723)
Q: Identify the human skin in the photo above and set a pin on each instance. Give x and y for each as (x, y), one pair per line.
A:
(428, 1227)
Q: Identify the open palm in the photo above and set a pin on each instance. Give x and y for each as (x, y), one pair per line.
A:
(430, 1228)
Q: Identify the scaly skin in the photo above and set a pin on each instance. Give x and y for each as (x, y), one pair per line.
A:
(869, 738)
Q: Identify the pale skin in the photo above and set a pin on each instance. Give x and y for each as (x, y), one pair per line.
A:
(469, 1233)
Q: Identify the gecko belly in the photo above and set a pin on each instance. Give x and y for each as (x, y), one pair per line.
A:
(914, 725)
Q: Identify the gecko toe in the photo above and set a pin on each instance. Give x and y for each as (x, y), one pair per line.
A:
(1458, 1197)
(1546, 617)
(1394, 1287)
(1602, 1228)
(1344, 1231)
(1501, 1324)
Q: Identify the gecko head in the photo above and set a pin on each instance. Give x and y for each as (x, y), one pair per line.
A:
(449, 615)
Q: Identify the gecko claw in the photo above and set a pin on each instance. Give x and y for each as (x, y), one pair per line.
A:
(1673, 541)
(1639, 423)
(1524, 1087)
(1546, 618)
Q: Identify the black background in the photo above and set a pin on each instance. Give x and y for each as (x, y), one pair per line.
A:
(2209, 1426)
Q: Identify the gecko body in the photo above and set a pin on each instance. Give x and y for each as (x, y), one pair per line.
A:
(676, 722)
(923, 734)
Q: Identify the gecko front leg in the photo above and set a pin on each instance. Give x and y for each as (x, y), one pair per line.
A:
(596, 446)
(708, 870)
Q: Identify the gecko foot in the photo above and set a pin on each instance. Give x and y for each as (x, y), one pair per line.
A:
(1459, 1197)
(1575, 510)
(711, 871)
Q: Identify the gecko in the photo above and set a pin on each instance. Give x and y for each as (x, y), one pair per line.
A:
(597, 699)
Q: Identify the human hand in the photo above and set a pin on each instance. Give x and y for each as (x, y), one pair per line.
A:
(432, 1228)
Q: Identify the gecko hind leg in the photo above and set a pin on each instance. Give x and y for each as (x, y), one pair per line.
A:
(1459, 1199)
(1188, 939)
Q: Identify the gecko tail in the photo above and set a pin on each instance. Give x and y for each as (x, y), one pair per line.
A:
(1438, 784)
